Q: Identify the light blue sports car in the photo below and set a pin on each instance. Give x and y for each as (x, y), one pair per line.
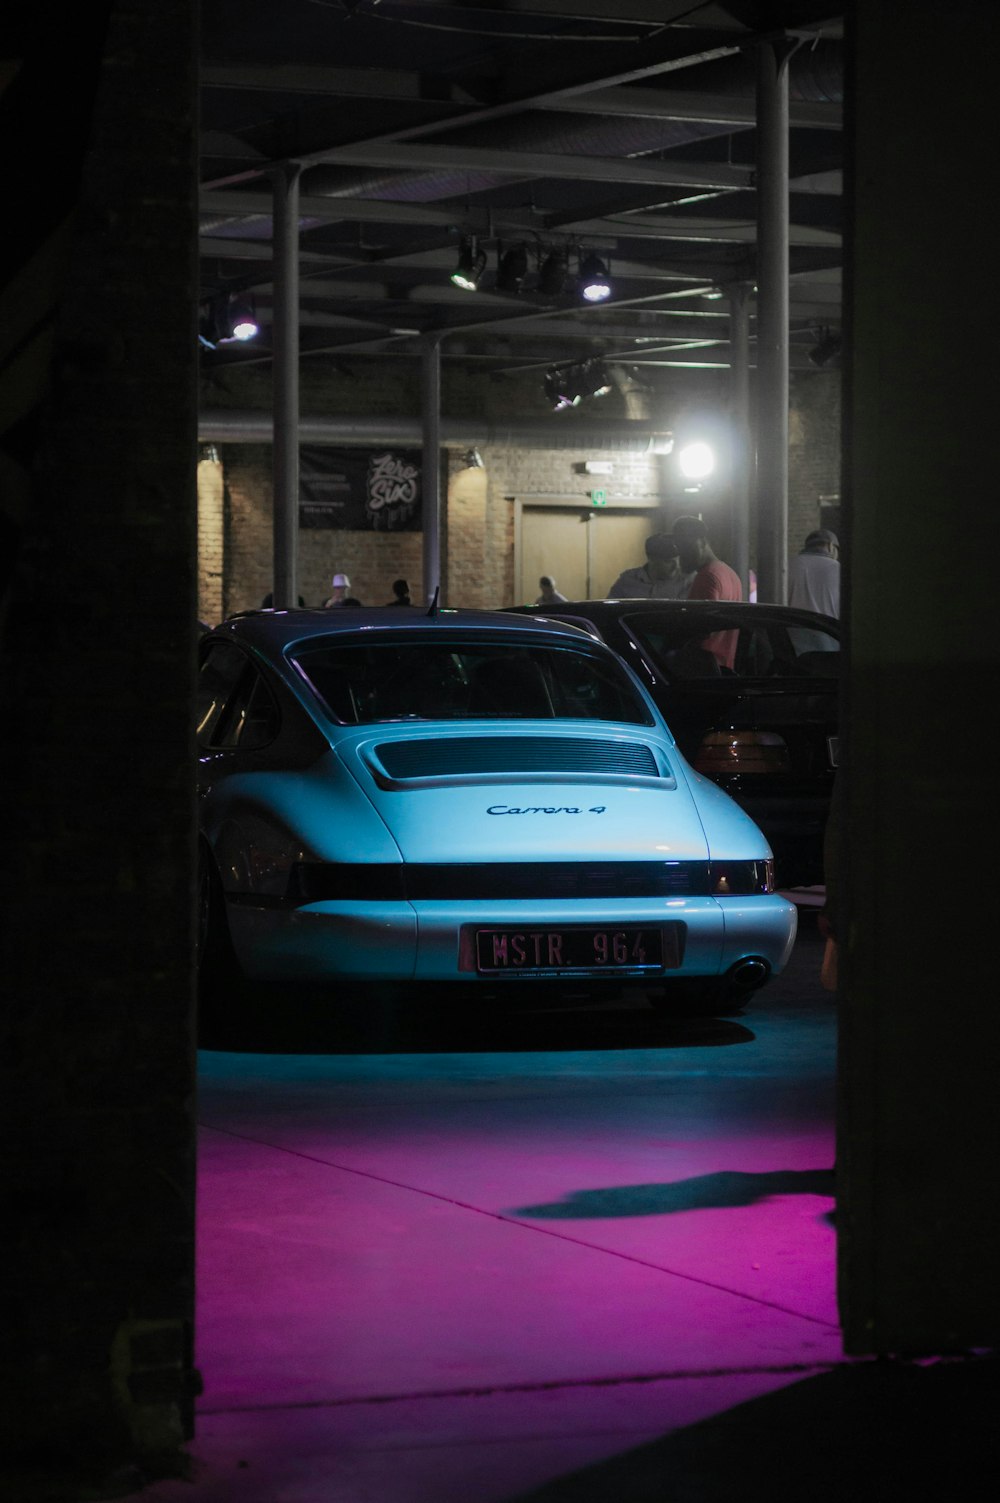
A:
(465, 797)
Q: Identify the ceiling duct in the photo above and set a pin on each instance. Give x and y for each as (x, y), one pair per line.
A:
(607, 436)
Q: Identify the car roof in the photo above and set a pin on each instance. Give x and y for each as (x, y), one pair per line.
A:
(613, 610)
(272, 631)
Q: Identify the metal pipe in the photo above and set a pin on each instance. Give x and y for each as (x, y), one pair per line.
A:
(772, 319)
(578, 432)
(430, 484)
(285, 459)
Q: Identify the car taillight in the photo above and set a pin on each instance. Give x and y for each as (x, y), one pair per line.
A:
(723, 753)
(737, 878)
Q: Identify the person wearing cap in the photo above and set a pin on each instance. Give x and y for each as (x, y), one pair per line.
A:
(814, 574)
(660, 578)
(340, 589)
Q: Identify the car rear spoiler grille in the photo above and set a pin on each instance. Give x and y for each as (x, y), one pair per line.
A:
(469, 755)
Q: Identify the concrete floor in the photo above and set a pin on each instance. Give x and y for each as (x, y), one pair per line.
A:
(577, 1254)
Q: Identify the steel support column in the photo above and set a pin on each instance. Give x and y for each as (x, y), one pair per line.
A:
(431, 472)
(739, 410)
(285, 460)
(772, 319)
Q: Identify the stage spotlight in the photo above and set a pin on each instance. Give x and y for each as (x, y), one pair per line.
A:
(228, 318)
(597, 378)
(241, 318)
(513, 269)
(827, 349)
(471, 265)
(557, 389)
(553, 273)
(595, 284)
(569, 385)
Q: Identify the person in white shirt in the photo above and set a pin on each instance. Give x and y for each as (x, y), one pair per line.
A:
(814, 574)
(660, 578)
(548, 595)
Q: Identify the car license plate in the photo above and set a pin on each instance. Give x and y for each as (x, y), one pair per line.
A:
(545, 951)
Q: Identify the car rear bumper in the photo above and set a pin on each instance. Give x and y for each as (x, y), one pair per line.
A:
(393, 941)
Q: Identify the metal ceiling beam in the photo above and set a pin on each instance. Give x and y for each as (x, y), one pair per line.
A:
(246, 206)
(629, 102)
(708, 109)
(324, 210)
(668, 53)
(720, 231)
(527, 164)
(351, 83)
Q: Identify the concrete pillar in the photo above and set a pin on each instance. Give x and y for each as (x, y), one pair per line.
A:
(772, 319)
(431, 471)
(97, 652)
(741, 468)
(919, 1129)
(285, 183)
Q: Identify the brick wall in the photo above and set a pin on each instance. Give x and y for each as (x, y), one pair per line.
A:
(813, 450)
(477, 532)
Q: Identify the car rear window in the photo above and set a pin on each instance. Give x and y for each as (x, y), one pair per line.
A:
(769, 648)
(361, 683)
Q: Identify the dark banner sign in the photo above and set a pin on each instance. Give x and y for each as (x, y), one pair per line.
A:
(362, 490)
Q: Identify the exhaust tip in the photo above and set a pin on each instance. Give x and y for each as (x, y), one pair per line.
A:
(747, 975)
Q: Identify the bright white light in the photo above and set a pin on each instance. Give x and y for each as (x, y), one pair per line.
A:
(596, 292)
(245, 329)
(696, 461)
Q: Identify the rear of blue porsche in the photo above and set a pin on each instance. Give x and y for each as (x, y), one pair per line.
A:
(499, 807)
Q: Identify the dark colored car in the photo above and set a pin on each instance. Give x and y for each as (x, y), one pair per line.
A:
(765, 729)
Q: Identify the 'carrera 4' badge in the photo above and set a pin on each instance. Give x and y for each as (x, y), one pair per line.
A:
(566, 809)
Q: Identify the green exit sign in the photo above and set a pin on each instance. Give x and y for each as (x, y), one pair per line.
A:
(598, 498)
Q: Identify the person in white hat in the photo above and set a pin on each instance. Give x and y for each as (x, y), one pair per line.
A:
(340, 591)
(814, 574)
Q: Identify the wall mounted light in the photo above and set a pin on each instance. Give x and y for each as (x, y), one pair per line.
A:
(696, 460)
(471, 265)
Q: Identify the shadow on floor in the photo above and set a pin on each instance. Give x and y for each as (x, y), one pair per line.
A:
(729, 1187)
(867, 1432)
(281, 1019)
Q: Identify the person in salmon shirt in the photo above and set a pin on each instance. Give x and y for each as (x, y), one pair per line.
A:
(713, 580)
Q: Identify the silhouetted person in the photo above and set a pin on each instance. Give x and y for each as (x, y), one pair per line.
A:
(400, 593)
(548, 594)
(267, 604)
(814, 574)
(661, 577)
